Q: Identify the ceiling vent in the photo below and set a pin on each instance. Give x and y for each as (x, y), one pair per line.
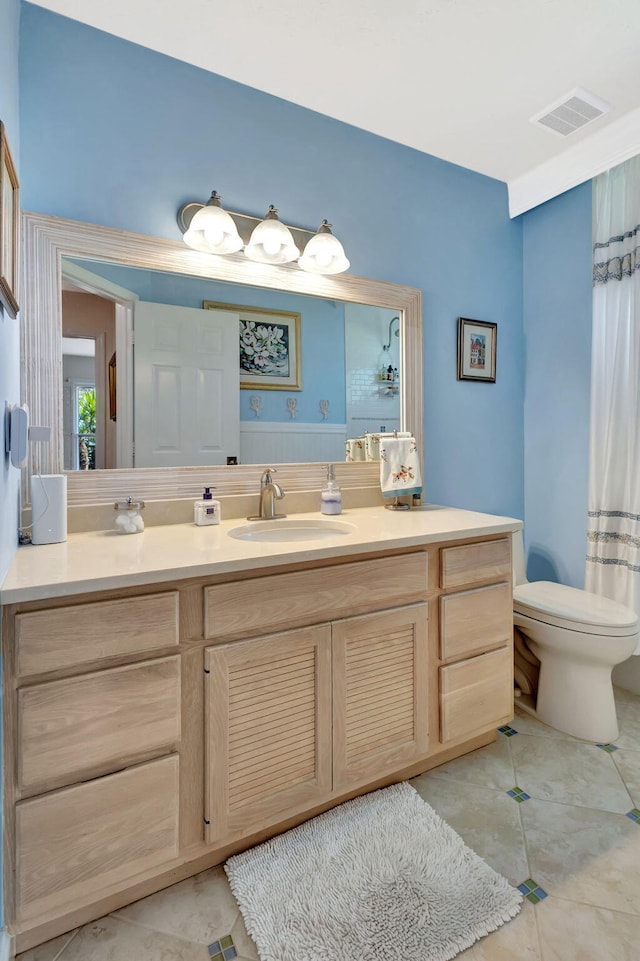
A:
(573, 111)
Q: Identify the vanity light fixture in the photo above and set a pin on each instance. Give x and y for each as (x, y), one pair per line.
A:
(211, 229)
(324, 254)
(272, 242)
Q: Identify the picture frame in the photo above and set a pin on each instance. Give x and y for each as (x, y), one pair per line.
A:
(269, 347)
(113, 406)
(477, 340)
(9, 227)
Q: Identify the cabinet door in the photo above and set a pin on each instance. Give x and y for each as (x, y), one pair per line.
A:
(268, 730)
(380, 721)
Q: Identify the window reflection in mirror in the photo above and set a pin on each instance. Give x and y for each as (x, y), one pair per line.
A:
(177, 399)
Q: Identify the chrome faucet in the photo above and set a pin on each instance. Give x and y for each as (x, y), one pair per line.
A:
(270, 492)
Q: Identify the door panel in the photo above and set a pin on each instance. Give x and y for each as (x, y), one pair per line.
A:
(380, 716)
(186, 377)
(268, 730)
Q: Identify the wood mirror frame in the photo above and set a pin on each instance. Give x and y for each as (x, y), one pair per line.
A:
(46, 240)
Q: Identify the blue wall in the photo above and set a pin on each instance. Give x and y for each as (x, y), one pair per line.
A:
(322, 326)
(116, 134)
(557, 324)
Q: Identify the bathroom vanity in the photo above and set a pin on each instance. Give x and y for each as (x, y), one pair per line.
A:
(176, 696)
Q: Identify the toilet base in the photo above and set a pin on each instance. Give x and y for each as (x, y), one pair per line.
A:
(591, 714)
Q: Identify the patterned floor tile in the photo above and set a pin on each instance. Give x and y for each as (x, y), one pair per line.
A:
(532, 891)
(488, 821)
(583, 855)
(489, 766)
(507, 730)
(518, 795)
(201, 909)
(634, 815)
(572, 772)
(580, 932)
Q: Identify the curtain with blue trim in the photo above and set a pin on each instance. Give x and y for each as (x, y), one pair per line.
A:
(613, 557)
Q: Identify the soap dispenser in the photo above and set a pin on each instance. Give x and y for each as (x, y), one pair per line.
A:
(331, 496)
(206, 511)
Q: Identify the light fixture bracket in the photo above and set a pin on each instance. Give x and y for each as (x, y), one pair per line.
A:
(244, 222)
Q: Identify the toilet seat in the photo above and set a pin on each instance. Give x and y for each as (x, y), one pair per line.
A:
(573, 609)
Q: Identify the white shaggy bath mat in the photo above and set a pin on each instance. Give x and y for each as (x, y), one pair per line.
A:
(379, 878)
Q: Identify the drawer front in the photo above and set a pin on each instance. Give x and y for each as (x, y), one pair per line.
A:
(473, 621)
(65, 637)
(96, 722)
(74, 843)
(476, 694)
(473, 563)
(281, 601)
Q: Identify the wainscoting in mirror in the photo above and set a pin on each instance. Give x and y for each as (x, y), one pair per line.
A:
(46, 240)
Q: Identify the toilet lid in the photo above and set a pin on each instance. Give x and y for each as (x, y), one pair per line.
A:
(544, 598)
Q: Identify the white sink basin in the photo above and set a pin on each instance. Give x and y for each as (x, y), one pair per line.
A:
(290, 529)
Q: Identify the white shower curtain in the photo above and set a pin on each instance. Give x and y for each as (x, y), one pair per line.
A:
(613, 557)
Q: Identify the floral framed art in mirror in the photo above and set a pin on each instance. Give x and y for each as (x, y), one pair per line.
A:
(477, 350)
(9, 220)
(269, 347)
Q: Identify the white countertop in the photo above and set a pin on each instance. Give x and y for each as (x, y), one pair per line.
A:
(103, 560)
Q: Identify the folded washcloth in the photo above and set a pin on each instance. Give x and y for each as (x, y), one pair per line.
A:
(399, 466)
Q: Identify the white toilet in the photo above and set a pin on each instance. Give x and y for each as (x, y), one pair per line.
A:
(578, 637)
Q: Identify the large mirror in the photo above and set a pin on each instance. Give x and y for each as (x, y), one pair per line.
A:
(63, 259)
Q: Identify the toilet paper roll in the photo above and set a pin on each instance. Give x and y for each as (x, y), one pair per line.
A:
(49, 508)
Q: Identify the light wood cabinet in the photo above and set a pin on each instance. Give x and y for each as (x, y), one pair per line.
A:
(149, 734)
(293, 718)
(476, 692)
(73, 843)
(380, 694)
(73, 728)
(268, 729)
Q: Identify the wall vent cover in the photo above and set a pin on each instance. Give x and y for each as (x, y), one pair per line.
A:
(572, 112)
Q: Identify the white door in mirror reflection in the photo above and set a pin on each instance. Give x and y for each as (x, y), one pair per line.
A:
(186, 386)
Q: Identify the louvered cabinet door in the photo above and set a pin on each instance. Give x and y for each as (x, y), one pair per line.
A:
(268, 730)
(380, 720)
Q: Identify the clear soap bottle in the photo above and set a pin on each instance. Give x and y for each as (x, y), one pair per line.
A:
(206, 511)
(331, 496)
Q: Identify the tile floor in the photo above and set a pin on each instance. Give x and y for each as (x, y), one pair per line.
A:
(557, 816)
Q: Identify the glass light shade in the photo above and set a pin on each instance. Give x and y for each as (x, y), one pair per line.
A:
(212, 230)
(324, 254)
(271, 242)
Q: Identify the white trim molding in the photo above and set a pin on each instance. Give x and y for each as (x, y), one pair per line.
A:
(615, 143)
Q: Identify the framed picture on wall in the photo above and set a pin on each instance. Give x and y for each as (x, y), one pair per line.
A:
(269, 347)
(9, 221)
(477, 350)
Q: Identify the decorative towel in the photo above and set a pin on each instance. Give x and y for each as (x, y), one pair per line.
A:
(399, 466)
(356, 449)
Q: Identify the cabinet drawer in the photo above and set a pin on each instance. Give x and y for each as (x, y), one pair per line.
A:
(476, 693)
(263, 604)
(472, 563)
(69, 636)
(96, 722)
(472, 621)
(74, 843)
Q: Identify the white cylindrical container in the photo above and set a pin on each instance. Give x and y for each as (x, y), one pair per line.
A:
(48, 508)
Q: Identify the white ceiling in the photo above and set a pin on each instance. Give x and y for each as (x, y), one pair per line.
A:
(458, 79)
